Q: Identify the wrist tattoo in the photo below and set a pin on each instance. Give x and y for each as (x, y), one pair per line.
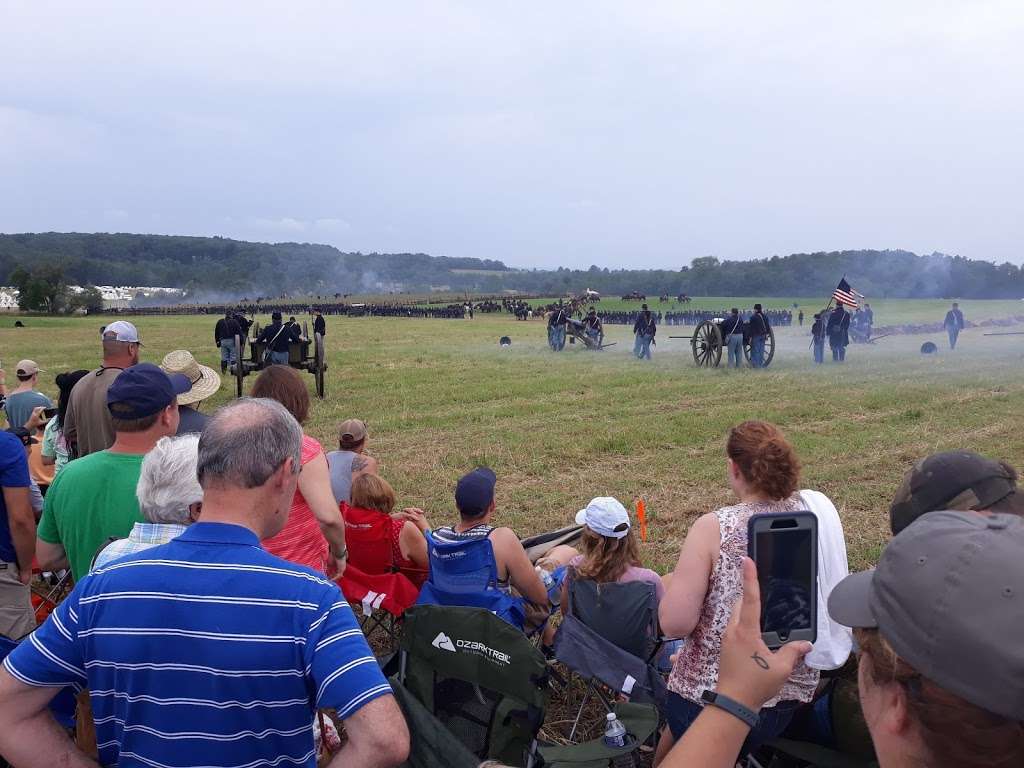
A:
(760, 661)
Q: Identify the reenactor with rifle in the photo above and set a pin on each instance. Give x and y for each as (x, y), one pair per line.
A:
(818, 338)
(319, 324)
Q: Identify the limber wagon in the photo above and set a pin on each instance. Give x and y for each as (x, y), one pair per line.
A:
(306, 354)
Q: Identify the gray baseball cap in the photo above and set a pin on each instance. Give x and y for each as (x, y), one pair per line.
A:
(948, 596)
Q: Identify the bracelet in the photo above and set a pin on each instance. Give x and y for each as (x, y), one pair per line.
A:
(731, 706)
(342, 556)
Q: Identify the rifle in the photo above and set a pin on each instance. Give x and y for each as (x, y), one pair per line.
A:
(1005, 333)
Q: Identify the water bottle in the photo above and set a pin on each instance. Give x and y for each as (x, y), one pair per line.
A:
(616, 738)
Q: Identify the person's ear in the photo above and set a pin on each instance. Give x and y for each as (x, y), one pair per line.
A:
(893, 712)
(195, 509)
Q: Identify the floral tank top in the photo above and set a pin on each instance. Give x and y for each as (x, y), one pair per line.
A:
(696, 668)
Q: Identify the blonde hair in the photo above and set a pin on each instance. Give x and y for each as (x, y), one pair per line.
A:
(605, 559)
(373, 492)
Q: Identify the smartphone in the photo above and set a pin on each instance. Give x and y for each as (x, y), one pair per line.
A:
(785, 549)
(49, 412)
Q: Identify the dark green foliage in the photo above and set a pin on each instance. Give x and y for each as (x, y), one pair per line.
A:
(216, 265)
(41, 287)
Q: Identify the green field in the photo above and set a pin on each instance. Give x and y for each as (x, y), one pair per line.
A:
(440, 396)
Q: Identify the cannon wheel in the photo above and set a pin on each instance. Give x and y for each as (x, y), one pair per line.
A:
(769, 348)
(319, 364)
(239, 364)
(707, 345)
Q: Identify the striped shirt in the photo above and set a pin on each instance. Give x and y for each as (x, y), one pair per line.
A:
(205, 651)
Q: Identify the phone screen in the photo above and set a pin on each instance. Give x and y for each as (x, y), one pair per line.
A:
(785, 568)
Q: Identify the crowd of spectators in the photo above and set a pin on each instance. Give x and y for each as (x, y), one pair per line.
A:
(207, 626)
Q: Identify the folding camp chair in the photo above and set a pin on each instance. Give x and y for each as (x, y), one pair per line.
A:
(48, 590)
(610, 638)
(371, 581)
(465, 573)
(478, 677)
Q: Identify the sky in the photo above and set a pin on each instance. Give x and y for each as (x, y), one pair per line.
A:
(628, 134)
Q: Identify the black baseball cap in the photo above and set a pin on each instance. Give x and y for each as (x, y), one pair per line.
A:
(959, 480)
(474, 492)
(23, 434)
(144, 389)
(948, 596)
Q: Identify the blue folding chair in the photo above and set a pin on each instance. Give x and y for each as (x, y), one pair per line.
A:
(465, 573)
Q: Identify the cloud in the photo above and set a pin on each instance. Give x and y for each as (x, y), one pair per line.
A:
(500, 129)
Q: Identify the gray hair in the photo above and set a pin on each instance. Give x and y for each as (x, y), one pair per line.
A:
(246, 441)
(167, 483)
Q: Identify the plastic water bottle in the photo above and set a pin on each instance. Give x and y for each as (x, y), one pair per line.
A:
(616, 738)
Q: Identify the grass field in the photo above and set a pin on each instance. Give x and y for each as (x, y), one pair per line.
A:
(440, 396)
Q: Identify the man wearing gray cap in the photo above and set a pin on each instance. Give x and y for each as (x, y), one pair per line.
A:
(87, 424)
(941, 672)
(939, 628)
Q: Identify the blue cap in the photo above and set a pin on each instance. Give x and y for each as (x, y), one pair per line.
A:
(144, 389)
(475, 492)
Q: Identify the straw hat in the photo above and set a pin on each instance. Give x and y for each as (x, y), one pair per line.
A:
(205, 380)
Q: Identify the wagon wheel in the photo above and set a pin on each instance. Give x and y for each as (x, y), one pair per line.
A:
(707, 345)
(239, 364)
(319, 364)
(769, 347)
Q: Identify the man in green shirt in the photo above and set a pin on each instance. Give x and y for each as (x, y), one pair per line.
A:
(93, 498)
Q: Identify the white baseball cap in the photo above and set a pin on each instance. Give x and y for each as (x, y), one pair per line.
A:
(121, 330)
(605, 516)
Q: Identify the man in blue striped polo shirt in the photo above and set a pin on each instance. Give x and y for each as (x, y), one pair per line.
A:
(207, 650)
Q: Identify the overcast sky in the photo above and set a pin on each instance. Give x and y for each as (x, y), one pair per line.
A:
(543, 134)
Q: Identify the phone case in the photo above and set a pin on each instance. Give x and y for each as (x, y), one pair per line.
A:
(790, 521)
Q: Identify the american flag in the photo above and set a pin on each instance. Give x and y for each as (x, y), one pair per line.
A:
(844, 294)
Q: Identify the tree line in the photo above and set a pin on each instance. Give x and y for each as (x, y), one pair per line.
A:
(206, 266)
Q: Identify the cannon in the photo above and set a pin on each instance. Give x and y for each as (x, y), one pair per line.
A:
(707, 344)
(305, 355)
(576, 329)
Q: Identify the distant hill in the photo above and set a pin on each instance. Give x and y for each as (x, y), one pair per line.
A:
(212, 267)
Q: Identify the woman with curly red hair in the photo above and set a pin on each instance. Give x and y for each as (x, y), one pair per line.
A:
(763, 472)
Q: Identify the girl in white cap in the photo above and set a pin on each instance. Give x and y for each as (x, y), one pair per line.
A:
(610, 549)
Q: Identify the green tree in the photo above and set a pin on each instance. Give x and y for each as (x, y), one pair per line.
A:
(41, 289)
(89, 299)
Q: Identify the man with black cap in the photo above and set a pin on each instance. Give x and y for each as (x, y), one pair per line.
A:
(953, 323)
(319, 324)
(558, 319)
(278, 337)
(644, 329)
(732, 334)
(838, 331)
(818, 338)
(93, 498)
(224, 337)
(593, 325)
(958, 480)
(757, 329)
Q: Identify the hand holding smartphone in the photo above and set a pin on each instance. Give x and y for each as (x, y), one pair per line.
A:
(784, 547)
